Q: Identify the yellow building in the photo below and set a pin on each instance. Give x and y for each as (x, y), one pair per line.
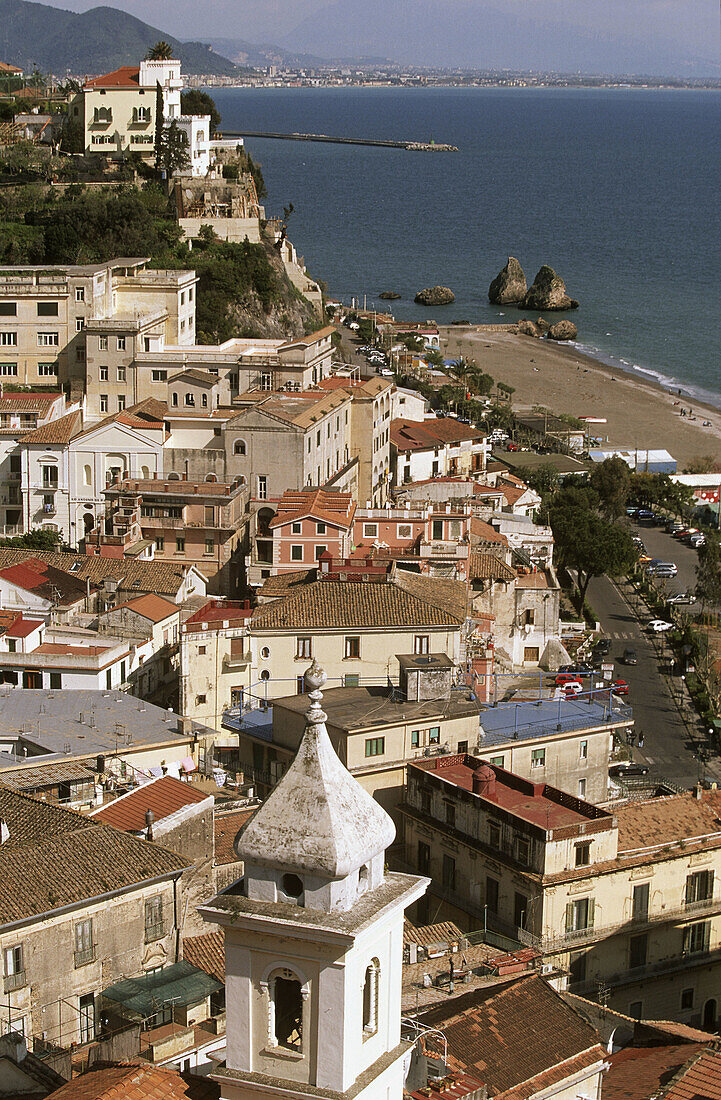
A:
(624, 901)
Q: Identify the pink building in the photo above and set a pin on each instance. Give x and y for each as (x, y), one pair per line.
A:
(310, 523)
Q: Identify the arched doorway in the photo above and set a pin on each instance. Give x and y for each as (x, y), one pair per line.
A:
(710, 1015)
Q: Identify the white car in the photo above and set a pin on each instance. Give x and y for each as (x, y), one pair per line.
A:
(681, 597)
(659, 626)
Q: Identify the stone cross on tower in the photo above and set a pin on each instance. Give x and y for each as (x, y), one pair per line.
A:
(314, 936)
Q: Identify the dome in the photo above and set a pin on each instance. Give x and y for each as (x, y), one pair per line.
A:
(318, 819)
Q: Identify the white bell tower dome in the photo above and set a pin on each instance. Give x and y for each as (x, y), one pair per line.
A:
(314, 942)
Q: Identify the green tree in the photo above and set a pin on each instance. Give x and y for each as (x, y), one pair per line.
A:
(708, 572)
(34, 540)
(589, 544)
(611, 479)
(159, 126)
(195, 102)
(255, 170)
(174, 154)
(433, 357)
(73, 136)
(544, 479)
(161, 51)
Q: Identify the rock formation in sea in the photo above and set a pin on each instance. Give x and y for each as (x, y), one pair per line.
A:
(529, 328)
(543, 326)
(435, 296)
(389, 295)
(509, 286)
(548, 291)
(563, 330)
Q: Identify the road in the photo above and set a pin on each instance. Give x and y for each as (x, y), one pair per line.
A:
(669, 748)
(660, 545)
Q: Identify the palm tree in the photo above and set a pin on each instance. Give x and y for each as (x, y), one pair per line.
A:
(161, 51)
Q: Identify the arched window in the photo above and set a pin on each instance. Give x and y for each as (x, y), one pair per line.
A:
(285, 1018)
(210, 477)
(239, 448)
(370, 998)
(87, 475)
(265, 653)
(265, 675)
(145, 473)
(173, 477)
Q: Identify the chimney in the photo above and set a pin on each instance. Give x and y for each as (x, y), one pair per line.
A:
(149, 819)
(698, 792)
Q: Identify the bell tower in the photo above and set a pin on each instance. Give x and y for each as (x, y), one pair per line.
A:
(314, 942)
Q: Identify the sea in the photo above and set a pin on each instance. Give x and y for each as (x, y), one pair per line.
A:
(617, 189)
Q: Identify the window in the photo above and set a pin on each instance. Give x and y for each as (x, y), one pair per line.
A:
(47, 370)
(84, 949)
(351, 680)
(160, 543)
(582, 788)
(583, 854)
(103, 402)
(520, 910)
(370, 998)
(80, 355)
(529, 616)
(303, 649)
(121, 374)
(699, 887)
(523, 850)
(492, 894)
(635, 1010)
(180, 545)
(45, 339)
(370, 530)
(262, 487)
(103, 374)
(8, 339)
(79, 294)
(296, 528)
(142, 114)
(497, 760)
(449, 872)
(56, 681)
(437, 530)
(200, 700)
(209, 546)
(286, 1016)
(202, 650)
(404, 530)
(637, 951)
(421, 644)
(424, 858)
(8, 309)
(450, 815)
(415, 739)
(375, 746)
(296, 553)
(154, 923)
(239, 448)
(538, 758)
(266, 381)
(174, 399)
(159, 376)
(352, 648)
(121, 343)
(583, 750)
(321, 549)
(577, 966)
(580, 914)
(494, 835)
(189, 400)
(79, 324)
(12, 645)
(14, 968)
(9, 369)
(687, 999)
(434, 735)
(47, 309)
(50, 477)
(320, 528)
(121, 402)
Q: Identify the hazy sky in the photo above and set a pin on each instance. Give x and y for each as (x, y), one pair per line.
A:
(680, 32)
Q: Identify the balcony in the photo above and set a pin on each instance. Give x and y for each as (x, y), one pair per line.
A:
(49, 509)
(690, 911)
(14, 981)
(670, 965)
(444, 549)
(172, 522)
(233, 661)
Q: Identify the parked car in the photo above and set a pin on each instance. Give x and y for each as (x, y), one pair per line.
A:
(573, 687)
(659, 626)
(602, 646)
(663, 572)
(697, 540)
(681, 597)
(511, 446)
(618, 771)
(619, 687)
(630, 657)
(564, 678)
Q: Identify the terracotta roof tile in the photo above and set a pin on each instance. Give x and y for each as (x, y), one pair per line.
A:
(227, 827)
(486, 533)
(638, 1073)
(163, 796)
(284, 583)
(27, 402)
(514, 1033)
(445, 932)
(337, 509)
(55, 857)
(700, 1079)
(411, 435)
(136, 1081)
(165, 578)
(56, 431)
(207, 952)
(44, 580)
(127, 76)
(152, 607)
(488, 567)
(662, 820)
(404, 600)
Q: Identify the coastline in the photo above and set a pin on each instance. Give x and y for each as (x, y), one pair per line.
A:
(568, 378)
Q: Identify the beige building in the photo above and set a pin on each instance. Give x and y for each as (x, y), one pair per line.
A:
(215, 661)
(624, 899)
(82, 906)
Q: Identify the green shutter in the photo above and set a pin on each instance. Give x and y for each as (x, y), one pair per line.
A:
(569, 917)
(591, 910)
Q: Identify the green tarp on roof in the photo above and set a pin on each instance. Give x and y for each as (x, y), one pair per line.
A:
(179, 984)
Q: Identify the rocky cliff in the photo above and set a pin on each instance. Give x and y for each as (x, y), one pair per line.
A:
(548, 292)
(509, 286)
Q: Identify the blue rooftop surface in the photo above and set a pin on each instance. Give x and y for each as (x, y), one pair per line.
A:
(524, 721)
(257, 722)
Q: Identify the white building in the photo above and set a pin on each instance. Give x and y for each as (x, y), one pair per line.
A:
(314, 944)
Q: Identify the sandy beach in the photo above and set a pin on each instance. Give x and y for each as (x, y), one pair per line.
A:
(564, 380)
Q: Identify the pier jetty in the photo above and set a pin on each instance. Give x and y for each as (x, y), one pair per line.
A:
(414, 146)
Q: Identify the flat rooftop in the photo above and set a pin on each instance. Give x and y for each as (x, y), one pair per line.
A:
(529, 460)
(353, 709)
(56, 725)
(537, 803)
(528, 721)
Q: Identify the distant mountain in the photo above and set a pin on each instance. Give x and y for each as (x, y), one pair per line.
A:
(261, 54)
(652, 37)
(91, 42)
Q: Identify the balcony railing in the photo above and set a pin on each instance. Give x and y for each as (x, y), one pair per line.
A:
(87, 955)
(154, 931)
(15, 981)
(673, 963)
(237, 660)
(688, 911)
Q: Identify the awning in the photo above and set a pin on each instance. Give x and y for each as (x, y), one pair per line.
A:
(179, 984)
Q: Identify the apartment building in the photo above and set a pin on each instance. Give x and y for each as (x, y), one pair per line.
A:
(20, 413)
(354, 622)
(71, 323)
(519, 606)
(215, 660)
(84, 906)
(118, 112)
(434, 448)
(625, 899)
(202, 524)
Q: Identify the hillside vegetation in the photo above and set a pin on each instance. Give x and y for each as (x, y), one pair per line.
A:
(94, 41)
